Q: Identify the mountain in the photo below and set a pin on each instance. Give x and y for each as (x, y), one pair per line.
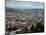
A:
(25, 11)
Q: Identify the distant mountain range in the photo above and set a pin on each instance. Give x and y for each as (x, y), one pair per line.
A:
(26, 11)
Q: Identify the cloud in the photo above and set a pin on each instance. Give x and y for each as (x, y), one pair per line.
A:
(23, 5)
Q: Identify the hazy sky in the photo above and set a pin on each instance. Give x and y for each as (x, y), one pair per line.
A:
(23, 5)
